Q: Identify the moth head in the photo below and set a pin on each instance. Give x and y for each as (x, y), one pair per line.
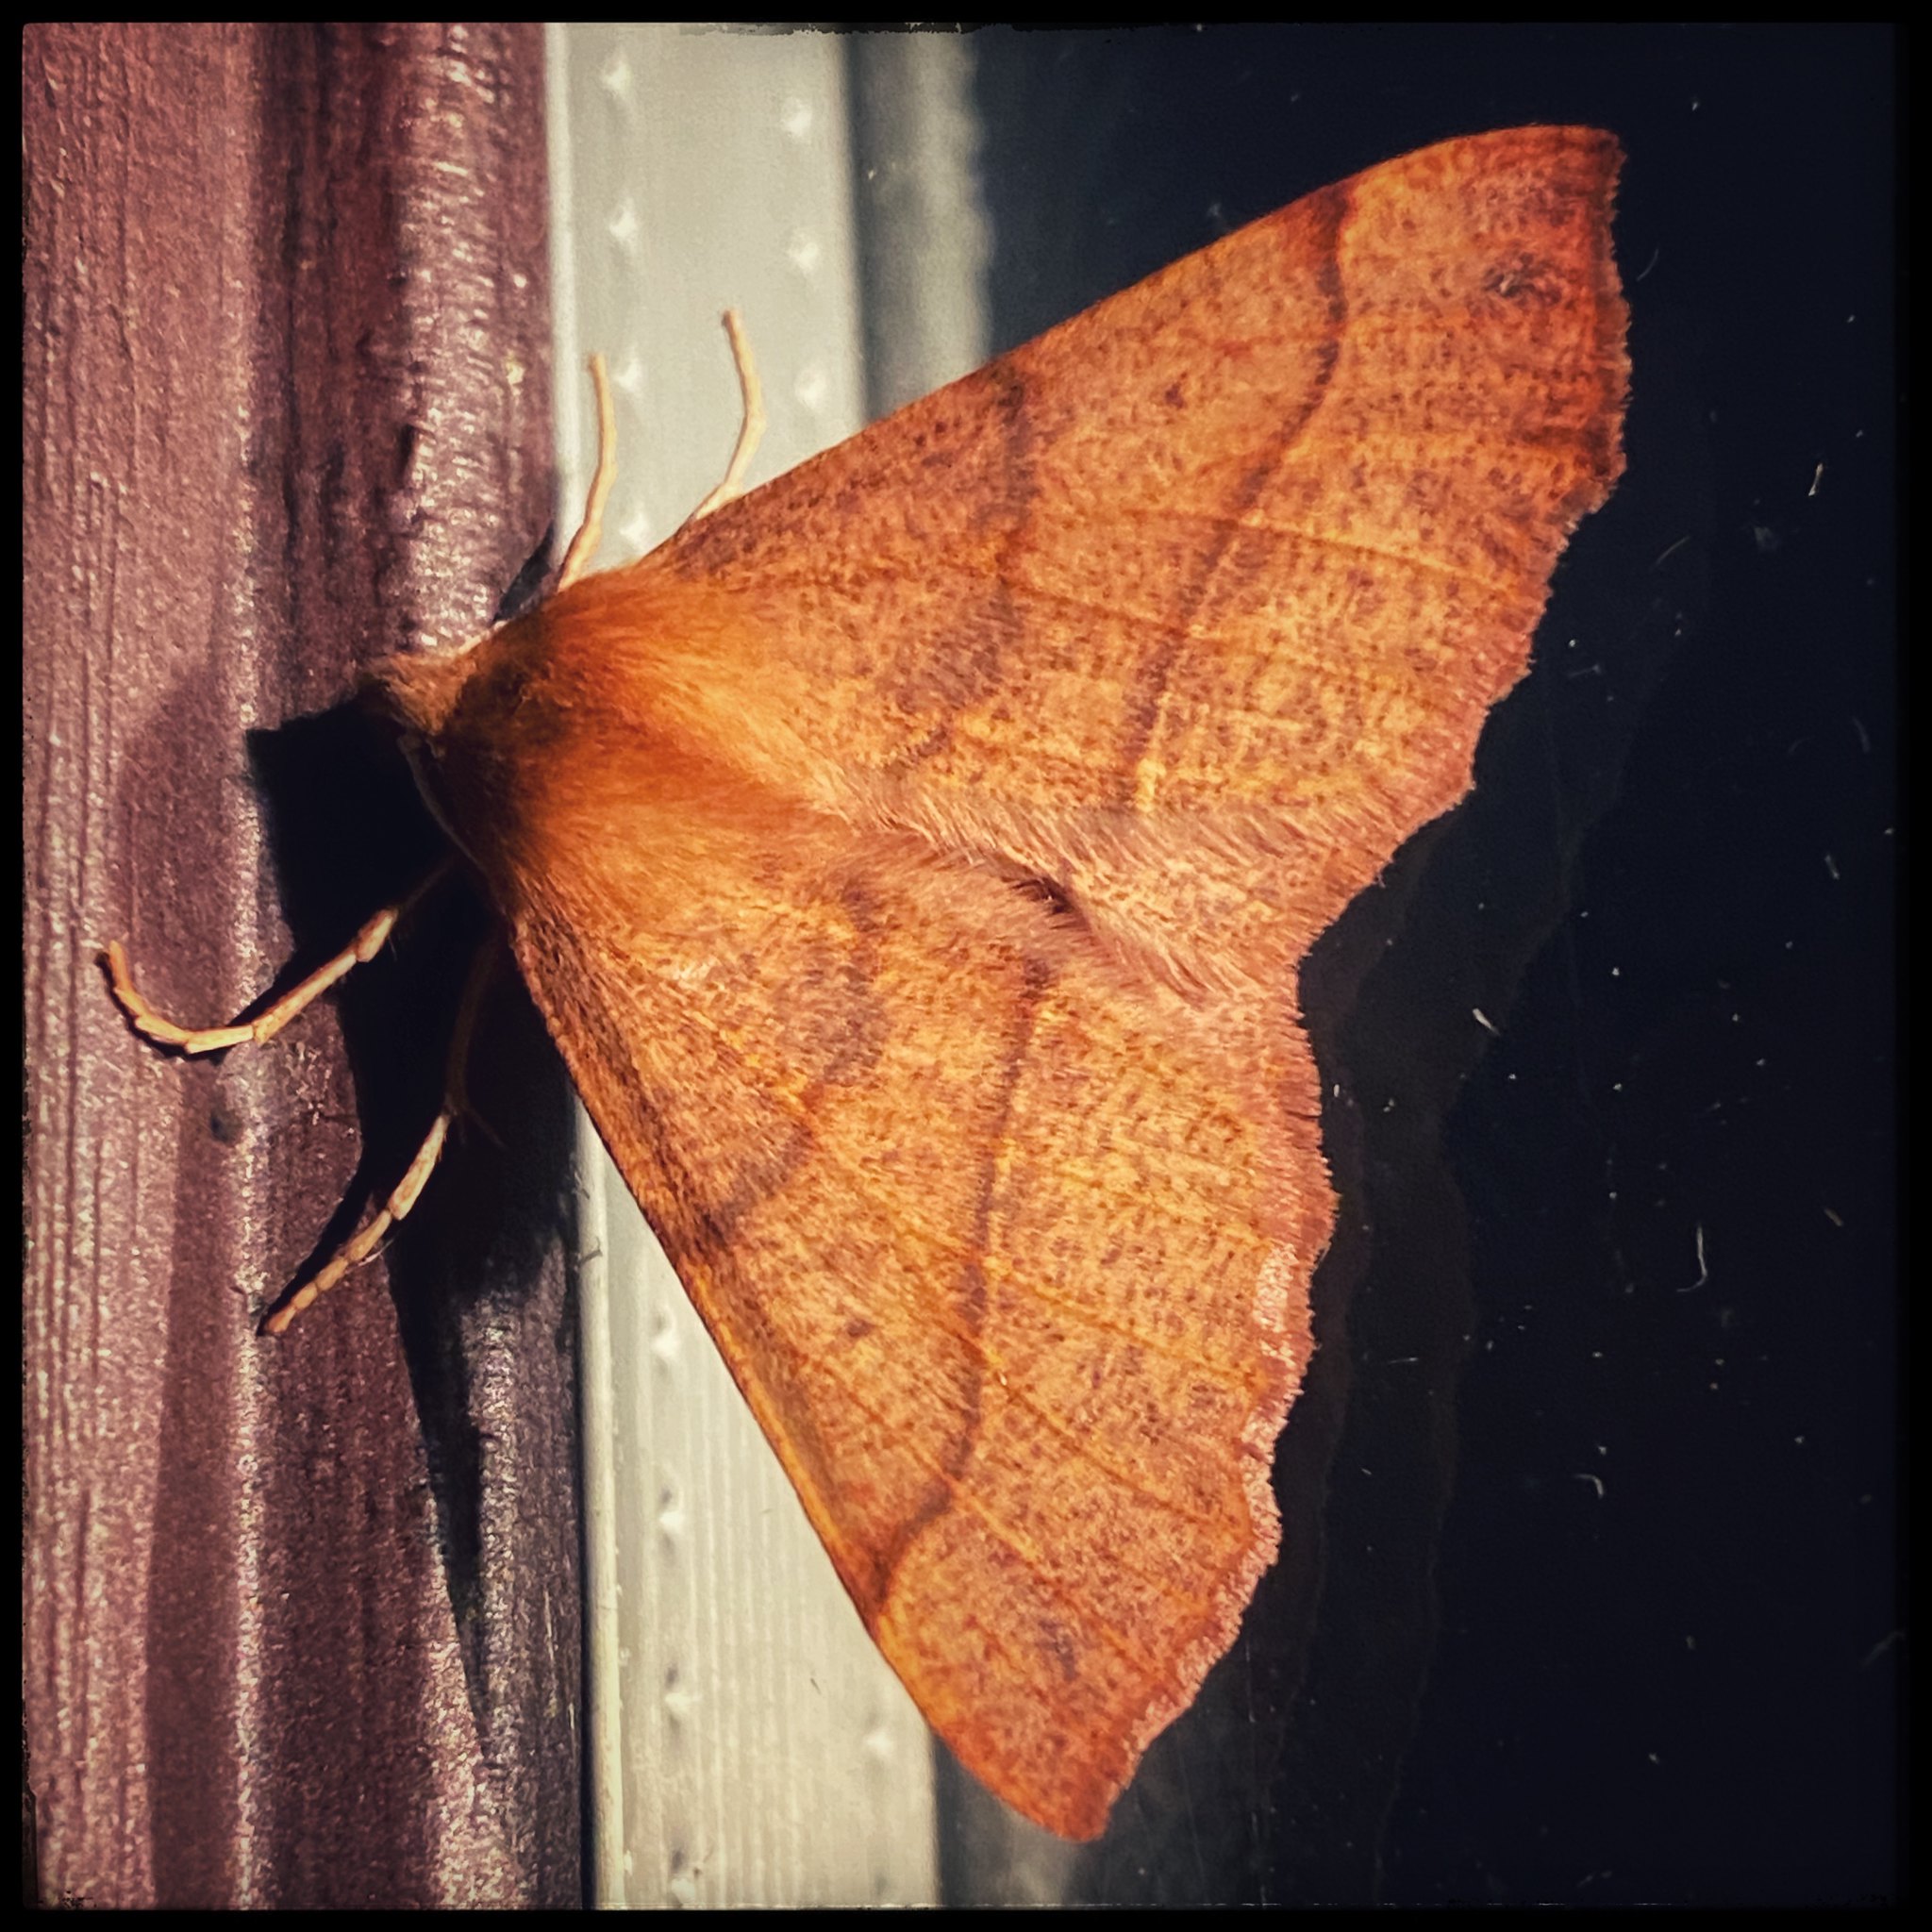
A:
(419, 693)
(477, 725)
(418, 690)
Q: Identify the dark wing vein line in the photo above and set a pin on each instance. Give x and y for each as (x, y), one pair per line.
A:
(864, 1186)
(961, 1494)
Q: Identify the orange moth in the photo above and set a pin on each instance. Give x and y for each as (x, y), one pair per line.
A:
(913, 858)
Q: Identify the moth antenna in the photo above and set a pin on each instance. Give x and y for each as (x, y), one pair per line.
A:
(583, 546)
(751, 427)
(364, 1242)
(191, 1040)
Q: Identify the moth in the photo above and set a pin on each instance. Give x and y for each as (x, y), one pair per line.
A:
(913, 858)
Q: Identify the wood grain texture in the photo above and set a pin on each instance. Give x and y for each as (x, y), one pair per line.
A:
(299, 1627)
(913, 860)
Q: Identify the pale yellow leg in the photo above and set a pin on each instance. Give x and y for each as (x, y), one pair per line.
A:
(360, 1246)
(199, 1039)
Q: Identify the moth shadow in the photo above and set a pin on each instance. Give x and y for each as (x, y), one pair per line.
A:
(477, 1268)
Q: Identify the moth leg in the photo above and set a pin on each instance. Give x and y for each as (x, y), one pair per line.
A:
(583, 546)
(353, 1252)
(266, 1025)
(367, 1239)
(455, 1086)
(751, 427)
